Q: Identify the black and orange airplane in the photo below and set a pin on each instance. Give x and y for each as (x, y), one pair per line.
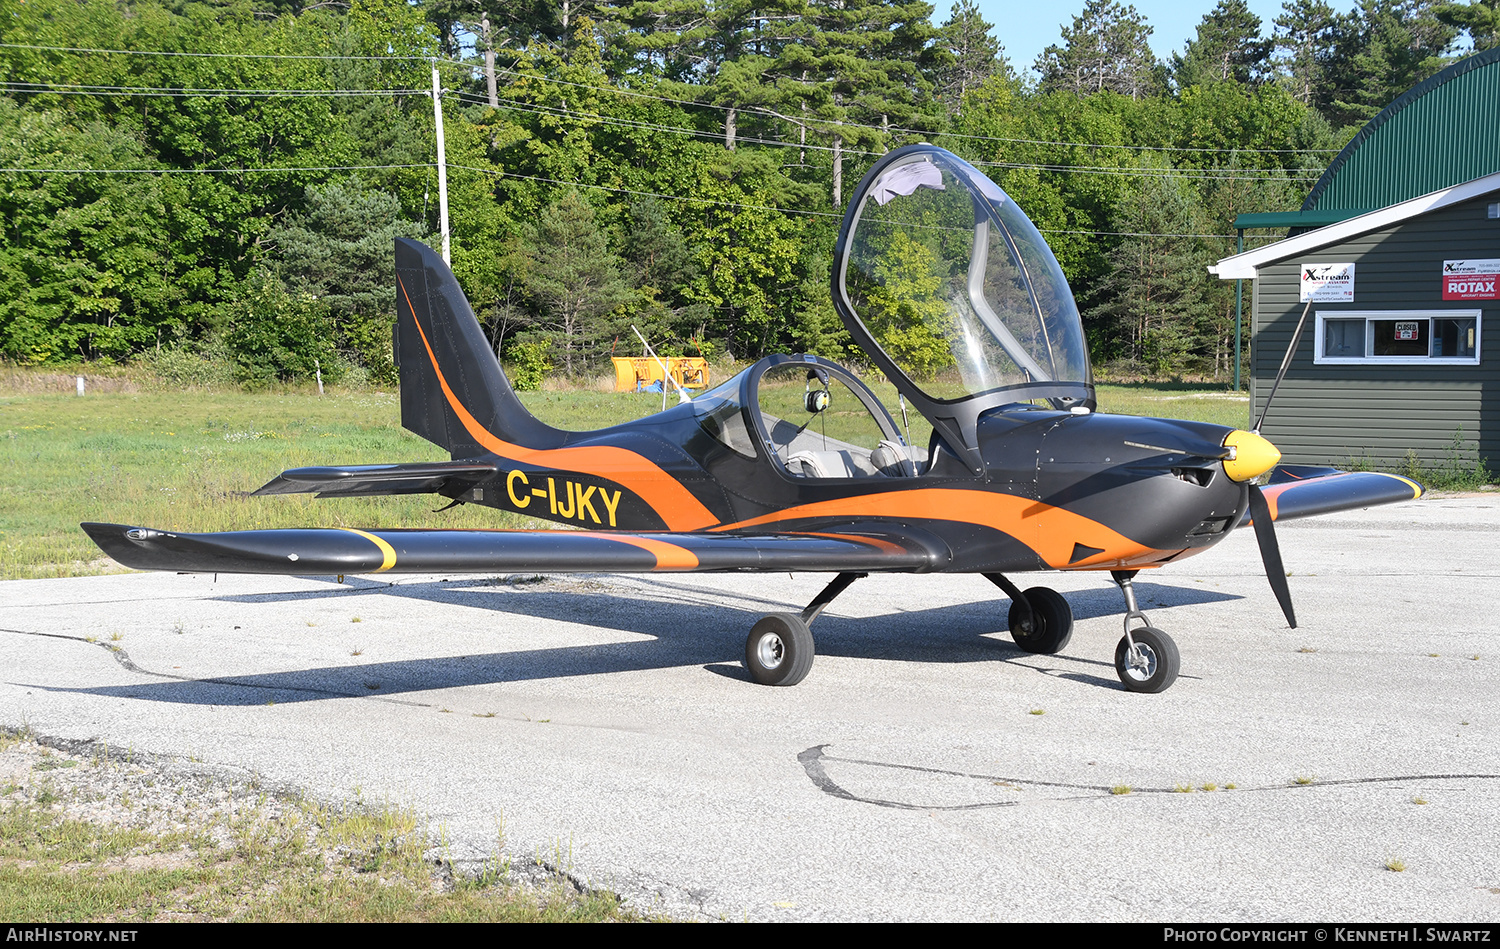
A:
(796, 465)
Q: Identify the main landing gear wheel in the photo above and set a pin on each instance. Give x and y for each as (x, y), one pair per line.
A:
(1051, 623)
(779, 650)
(1154, 663)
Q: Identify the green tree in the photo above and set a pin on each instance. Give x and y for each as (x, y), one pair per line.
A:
(1228, 47)
(338, 251)
(575, 278)
(1478, 18)
(1308, 35)
(1156, 298)
(1393, 46)
(976, 55)
(83, 273)
(869, 65)
(1106, 49)
(278, 337)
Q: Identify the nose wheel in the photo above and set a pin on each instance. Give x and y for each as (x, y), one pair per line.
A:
(1146, 658)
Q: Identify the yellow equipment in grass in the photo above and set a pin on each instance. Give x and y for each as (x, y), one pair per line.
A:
(642, 373)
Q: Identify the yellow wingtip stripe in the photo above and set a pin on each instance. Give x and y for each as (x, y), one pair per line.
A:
(1416, 489)
(386, 550)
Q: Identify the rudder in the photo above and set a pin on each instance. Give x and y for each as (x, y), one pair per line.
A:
(446, 365)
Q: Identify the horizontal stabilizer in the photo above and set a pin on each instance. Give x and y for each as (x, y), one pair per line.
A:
(369, 480)
(1305, 491)
(347, 551)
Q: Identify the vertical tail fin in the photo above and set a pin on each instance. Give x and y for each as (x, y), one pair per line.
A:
(453, 391)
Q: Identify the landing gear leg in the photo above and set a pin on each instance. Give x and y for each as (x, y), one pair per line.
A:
(1146, 658)
(780, 649)
(1041, 620)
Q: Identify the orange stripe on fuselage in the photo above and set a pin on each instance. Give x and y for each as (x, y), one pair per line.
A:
(1050, 531)
(673, 503)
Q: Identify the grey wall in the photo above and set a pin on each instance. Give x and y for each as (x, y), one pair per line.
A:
(1378, 413)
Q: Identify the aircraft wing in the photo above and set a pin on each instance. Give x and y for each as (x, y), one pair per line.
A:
(317, 551)
(1307, 491)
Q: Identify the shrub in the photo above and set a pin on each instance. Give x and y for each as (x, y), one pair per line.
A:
(529, 364)
(1459, 470)
(180, 367)
(276, 337)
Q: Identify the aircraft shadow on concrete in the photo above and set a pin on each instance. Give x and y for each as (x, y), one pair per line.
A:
(687, 626)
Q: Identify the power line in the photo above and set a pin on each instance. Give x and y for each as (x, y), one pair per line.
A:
(1142, 172)
(1144, 148)
(147, 52)
(542, 110)
(512, 104)
(209, 171)
(554, 181)
(751, 110)
(1075, 169)
(649, 194)
(170, 91)
(659, 98)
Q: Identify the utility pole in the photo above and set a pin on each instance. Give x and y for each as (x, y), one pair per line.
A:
(489, 60)
(442, 163)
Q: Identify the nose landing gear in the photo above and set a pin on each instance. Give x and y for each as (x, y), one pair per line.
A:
(1146, 658)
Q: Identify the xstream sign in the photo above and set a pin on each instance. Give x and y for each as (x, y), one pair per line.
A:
(1471, 279)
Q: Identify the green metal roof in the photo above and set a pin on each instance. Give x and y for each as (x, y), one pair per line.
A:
(1316, 218)
(1439, 133)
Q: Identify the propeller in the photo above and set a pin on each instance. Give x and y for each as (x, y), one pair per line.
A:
(1260, 511)
(1270, 552)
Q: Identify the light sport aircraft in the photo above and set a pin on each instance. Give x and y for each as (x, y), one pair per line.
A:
(937, 276)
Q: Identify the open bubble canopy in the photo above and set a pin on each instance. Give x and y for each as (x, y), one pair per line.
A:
(954, 294)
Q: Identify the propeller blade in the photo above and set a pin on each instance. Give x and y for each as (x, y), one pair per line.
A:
(1270, 552)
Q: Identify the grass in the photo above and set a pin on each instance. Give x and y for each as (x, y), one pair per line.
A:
(299, 862)
(1395, 865)
(185, 461)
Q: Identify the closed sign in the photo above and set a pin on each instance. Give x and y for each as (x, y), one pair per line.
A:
(1406, 330)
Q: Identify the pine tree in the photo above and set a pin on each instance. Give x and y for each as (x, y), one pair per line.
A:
(574, 277)
(1228, 47)
(869, 65)
(1308, 34)
(1478, 18)
(976, 54)
(1392, 48)
(338, 251)
(1105, 50)
(1157, 296)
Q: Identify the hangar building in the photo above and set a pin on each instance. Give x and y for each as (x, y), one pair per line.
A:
(1395, 255)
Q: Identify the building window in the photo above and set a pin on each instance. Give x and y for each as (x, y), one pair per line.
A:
(1428, 337)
